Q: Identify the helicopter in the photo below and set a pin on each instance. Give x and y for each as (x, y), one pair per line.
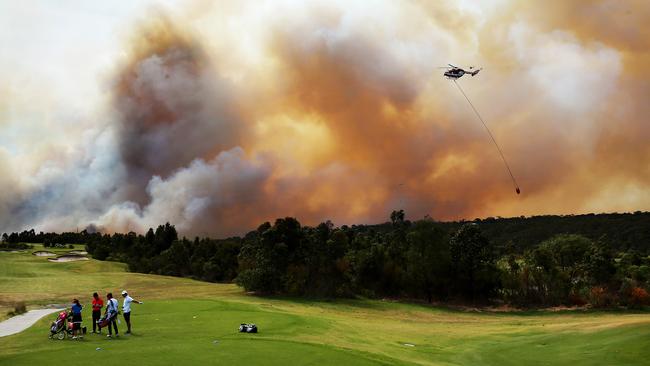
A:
(455, 72)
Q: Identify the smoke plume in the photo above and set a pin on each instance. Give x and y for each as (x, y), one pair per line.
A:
(224, 115)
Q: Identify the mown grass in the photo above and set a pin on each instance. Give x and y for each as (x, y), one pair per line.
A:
(191, 322)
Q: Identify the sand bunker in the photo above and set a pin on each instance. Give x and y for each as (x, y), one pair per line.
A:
(68, 258)
(43, 253)
(78, 252)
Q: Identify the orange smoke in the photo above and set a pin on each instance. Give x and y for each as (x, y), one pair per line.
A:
(350, 121)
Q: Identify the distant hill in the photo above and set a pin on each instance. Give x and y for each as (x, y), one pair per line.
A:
(620, 231)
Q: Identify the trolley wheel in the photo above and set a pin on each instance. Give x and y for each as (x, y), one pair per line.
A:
(61, 335)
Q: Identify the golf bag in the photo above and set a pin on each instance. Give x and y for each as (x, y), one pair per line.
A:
(105, 320)
(63, 326)
(58, 327)
(248, 328)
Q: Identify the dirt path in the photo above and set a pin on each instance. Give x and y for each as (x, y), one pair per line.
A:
(21, 322)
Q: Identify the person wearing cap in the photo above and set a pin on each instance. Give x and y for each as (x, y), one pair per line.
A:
(126, 309)
(98, 304)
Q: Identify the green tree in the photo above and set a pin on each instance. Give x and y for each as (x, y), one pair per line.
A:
(428, 261)
(473, 261)
(266, 254)
(397, 217)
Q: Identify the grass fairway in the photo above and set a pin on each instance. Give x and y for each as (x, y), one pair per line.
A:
(181, 320)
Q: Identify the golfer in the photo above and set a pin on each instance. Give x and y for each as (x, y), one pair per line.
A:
(76, 318)
(126, 309)
(111, 312)
(98, 304)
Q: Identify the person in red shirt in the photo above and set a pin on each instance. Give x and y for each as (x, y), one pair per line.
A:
(98, 303)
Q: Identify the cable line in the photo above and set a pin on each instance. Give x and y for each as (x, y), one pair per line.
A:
(505, 162)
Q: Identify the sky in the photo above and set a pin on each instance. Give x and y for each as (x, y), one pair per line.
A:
(216, 116)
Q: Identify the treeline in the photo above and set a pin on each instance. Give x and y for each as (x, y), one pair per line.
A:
(425, 260)
(620, 231)
(7, 246)
(162, 252)
(485, 261)
(50, 239)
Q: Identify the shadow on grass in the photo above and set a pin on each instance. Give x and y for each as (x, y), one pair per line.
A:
(410, 304)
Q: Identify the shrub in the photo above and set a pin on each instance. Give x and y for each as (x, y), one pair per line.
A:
(577, 299)
(599, 297)
(639, 297)
(19, 308)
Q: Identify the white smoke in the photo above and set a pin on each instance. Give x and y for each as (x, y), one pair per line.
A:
(197, 198)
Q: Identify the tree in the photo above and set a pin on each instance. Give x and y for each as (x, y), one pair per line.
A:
(397, 217)
(600, 264)
(473, 260)
(165, 235)
(266, 254)
(175, 261)
(428, 261)
(560, 267)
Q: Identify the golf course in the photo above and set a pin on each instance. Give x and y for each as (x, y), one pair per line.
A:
(192, 322)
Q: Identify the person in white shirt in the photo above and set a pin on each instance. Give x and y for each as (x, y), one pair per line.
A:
(111, 312)
(126, 309)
